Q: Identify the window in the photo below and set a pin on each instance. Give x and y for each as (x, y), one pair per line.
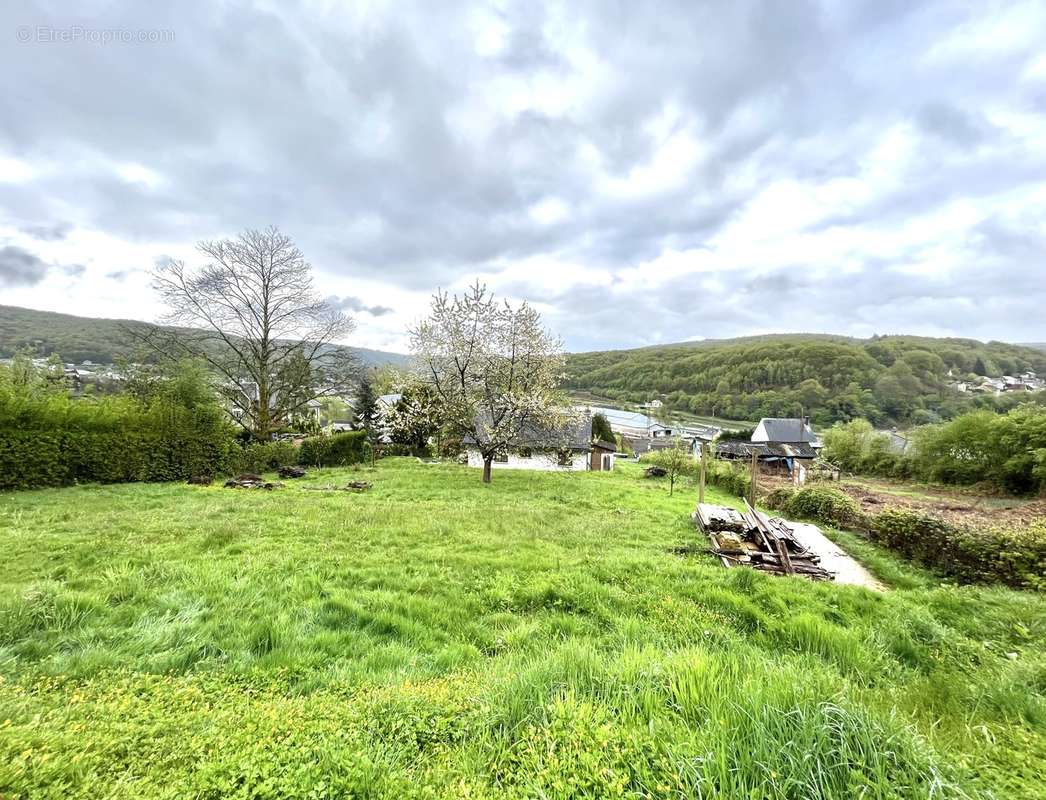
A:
(502, 457)
(565, 458)
(526, 452)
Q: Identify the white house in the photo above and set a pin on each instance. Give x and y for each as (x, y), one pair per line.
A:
(569, 450)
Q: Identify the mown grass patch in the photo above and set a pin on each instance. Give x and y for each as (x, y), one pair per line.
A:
(435, 637)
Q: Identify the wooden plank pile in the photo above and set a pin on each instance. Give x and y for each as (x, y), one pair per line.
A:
(751, 538)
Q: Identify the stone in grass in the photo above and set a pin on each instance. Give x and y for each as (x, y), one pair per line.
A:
(291, 472)
(200, 480)
(656, 472)
(358, 486)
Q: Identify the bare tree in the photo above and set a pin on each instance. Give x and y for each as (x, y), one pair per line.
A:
(251, 313)
(494, 371)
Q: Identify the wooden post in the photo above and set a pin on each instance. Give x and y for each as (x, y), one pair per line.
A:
(755, 474)
(701, 485)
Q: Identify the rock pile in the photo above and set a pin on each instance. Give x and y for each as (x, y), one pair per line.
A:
(250, 481)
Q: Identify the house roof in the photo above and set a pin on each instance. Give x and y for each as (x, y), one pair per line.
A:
(765, 450)
(639, 444)
(668, 442)
(784, 429)
(576, 436)
(705, 432)
(626, 419)
(389, 400)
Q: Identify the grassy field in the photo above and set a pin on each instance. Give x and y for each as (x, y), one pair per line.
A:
(549, 635)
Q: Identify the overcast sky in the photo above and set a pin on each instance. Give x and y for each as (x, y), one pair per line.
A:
(641, 172)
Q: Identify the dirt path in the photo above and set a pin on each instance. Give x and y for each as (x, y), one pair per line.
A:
(833, 558)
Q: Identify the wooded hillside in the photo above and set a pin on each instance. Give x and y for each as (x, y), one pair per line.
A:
(886, 378)
(102, 341)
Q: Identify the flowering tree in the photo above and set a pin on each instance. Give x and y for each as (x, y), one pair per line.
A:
(494, 369)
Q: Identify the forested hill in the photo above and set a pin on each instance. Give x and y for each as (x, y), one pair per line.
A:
(903, 379)
(102, 341)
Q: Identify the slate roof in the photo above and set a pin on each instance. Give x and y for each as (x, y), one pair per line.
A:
(784, 429)
(575, 437)
(765, 450)
(669, 442)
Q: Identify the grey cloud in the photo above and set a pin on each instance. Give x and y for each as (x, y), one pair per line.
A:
(954, 125)
(349, 303)
(19, 267)
(373, 140)
(48, 232)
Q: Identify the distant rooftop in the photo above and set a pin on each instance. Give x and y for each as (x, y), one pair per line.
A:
(783, 429)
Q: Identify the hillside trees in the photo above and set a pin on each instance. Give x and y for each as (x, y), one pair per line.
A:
(253, 316)
(494, 370)
(894, 378)
(1007, 450)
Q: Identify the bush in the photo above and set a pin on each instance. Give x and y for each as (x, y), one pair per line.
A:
(267, 456)
(731, 477)
(1015, 557)
(336, 450)
(821, 503)
(778, 499)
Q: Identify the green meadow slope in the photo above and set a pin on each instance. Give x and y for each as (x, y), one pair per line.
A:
(549, 635)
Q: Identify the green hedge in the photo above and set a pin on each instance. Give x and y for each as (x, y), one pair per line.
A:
(129, 448)
(821, 503)
(266, 456)
(1013, 556)
(339, 449)
(171, 429)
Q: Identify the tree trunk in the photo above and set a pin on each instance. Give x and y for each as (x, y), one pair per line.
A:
(487, 463)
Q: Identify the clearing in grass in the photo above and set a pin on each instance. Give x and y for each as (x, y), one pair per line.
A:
(435, 637)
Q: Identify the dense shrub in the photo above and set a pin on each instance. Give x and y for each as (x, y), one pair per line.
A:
(821, 503)
(350, 447)
(48, 438)
(778, 498)
(728, 476)
(267, 456)
(1014, 556)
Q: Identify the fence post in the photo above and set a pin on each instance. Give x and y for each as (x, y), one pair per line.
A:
(755, 478)
(701, 485)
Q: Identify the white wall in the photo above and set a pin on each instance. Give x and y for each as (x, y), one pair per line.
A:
(542, 461)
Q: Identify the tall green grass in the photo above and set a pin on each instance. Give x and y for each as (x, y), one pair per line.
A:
(435, 637)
